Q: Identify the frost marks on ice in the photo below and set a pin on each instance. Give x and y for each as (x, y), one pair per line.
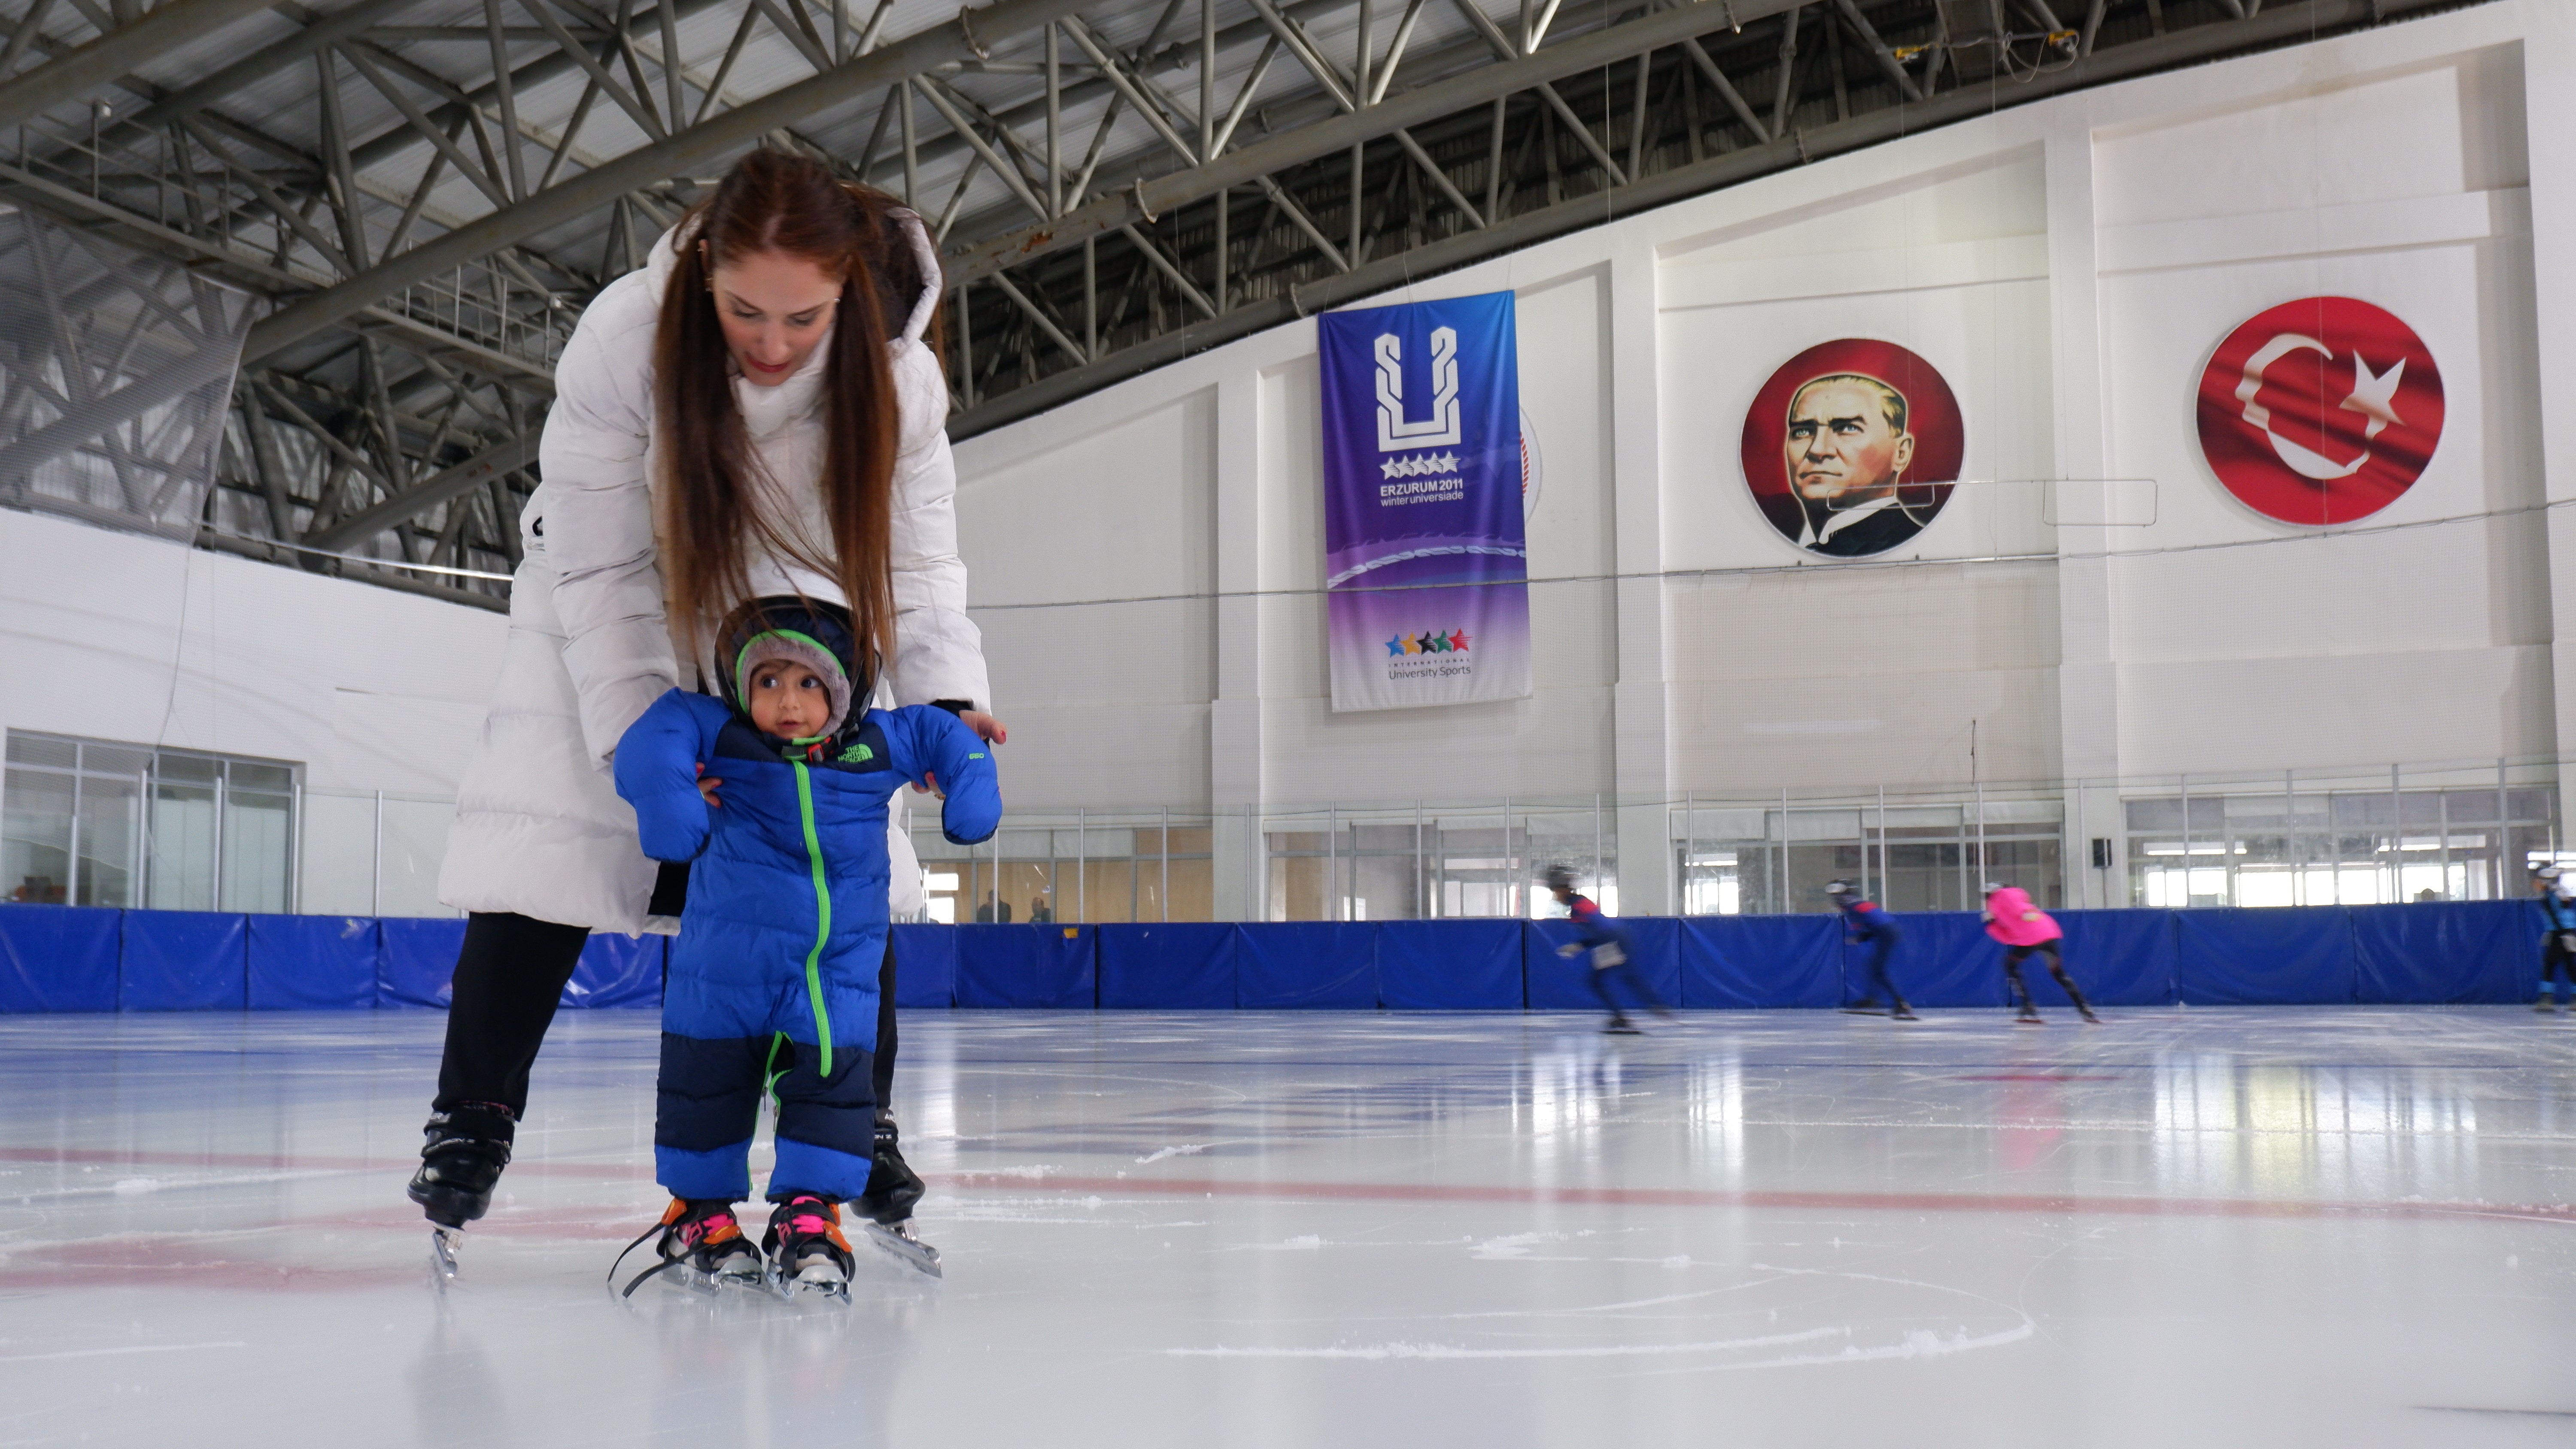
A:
(1915, 1344)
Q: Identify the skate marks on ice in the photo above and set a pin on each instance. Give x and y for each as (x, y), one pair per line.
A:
(1900, 1328)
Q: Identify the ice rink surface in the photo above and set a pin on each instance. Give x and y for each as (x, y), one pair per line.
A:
(2187, 1227)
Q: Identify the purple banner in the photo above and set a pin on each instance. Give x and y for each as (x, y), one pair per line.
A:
(1426, 571)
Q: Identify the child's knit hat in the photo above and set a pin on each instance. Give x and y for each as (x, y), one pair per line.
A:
(794, 647)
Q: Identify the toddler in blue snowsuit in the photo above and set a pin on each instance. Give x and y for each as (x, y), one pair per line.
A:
(777, 796)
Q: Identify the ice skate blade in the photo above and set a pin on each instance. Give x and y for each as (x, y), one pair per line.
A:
(904, 1248)
(2030, 1021)
(444, 1244)
(821, 1280)
(1864, 1011)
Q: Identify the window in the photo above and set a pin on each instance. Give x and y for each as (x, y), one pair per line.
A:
(2313, 847)
(1086, 871)
(93, 823)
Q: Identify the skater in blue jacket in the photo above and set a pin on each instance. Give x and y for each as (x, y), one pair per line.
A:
(1864, 924)
(1608, 947)
(777, 794)
(2558, 949)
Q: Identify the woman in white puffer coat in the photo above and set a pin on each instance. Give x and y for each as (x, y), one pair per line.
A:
(758, 412)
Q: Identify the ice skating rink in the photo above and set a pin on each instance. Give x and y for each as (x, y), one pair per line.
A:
(2285, 1227)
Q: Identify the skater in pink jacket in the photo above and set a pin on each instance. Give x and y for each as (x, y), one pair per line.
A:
(2024, 928)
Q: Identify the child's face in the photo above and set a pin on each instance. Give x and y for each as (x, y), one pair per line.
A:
(788, 700)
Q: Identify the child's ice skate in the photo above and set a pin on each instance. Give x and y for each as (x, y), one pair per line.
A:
(805, 1247)
(702, 1238)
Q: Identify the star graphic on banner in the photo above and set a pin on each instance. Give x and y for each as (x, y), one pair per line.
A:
(1420, 644)
(2372, 396)
(1412, 646)
(1394, 647)
(1458, 641)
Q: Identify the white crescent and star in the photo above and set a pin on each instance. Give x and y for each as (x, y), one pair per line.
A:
(2373, 396)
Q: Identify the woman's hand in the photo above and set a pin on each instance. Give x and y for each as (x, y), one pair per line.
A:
(707, 786)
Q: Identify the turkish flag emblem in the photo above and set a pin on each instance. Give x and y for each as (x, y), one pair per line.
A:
(2320, 411)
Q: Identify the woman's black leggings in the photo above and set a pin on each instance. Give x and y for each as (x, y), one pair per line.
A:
(508, 978)
(2056, 967)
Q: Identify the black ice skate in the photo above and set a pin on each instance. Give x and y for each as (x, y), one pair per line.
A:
(1904, 1012)
(459, 1163)
(702, 1237)
(1866, 1006)
(806, 1249)
(2029, 1018)
(893, 1187)
(897, 1241)
(1621, 1026)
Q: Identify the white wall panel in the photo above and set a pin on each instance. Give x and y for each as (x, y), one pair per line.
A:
(115, 636)
(1864, 677)
(2244, 642)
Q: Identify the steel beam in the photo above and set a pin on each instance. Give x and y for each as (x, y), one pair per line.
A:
(2286, 24)
(500, 458)
(1163, 194)
(679, 155)
(99, 63)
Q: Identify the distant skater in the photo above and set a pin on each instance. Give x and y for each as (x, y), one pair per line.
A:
(1609, 947)
(2024, 928)
(1865, 924)
(2558, 911)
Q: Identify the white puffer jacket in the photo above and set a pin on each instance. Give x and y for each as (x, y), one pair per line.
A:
(539, 828)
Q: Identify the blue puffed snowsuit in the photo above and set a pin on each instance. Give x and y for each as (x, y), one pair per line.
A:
(773, 980)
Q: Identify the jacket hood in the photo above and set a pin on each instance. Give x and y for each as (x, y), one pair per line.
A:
(816, 635)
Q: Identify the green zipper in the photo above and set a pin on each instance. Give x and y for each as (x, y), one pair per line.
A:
(822, 913)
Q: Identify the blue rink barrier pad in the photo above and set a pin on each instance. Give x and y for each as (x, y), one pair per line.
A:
(72, 958)
(1027, 966)
(2456, 953)
(925, 967)
(183, 961)
(617, 970)
(1449, 965)
(417, 961)
(58, 958)
(313, 963)
(1734, 963)
(1312, 965)
(1169, 966)
(2265, 956)
(2117, 957)
(1945, 960)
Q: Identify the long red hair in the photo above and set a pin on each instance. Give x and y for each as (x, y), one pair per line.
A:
(708, 519)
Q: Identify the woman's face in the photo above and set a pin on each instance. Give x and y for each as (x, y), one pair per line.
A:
(774, 308)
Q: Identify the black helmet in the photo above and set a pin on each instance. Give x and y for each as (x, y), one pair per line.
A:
(1560, 877)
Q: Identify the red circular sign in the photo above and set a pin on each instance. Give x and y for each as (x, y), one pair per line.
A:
(1852, 447)
(2320, 411)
